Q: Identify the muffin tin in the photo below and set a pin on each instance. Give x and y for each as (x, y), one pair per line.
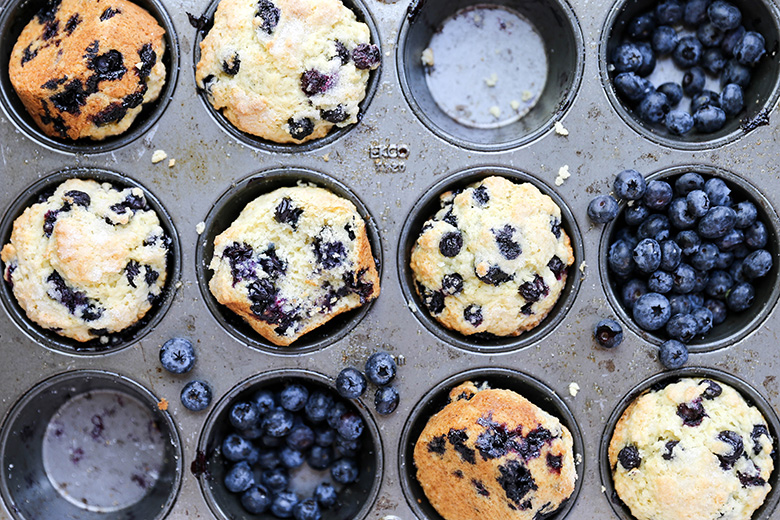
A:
(392, 164)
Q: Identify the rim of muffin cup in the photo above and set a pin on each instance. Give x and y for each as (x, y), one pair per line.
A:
(761, 97)
(428, 205)
(362, 14)
(13, 20)
(556, 23)
(663, 379)
(738, 325)
(117, 340)
(225, 211)
(536, 391)
(31, 414)
(357, 499)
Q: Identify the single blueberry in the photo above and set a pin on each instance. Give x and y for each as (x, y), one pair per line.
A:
(325, 495)
(235, 448)
(366, 56)
(320, 457)
(698, 203)
(629, 457)
(602, 209)
(300, 438)
(673, 92)
(735, 72)
(196, 395)
(664, 40)
(709, 119)
(658, 195)
(731, 39)
(682, 327)
(636, 214)
(719, 284)
(629, 185)
(673, 354)
(746, 214)
(693, 81)
(451, 243)
(725, 259)
(627, 58)
(647, 255)
(688, 182)
(275, 479)
(386, 400)
(608, 333)
(707, 98)
(756, 235)
(684, 279)
(264, 400)
(177, 355)
(244, 415)
(718, 192)
(651, 311)
(679, 122)
(660, 282)
(704, 259)
(653, 107)
(351, 383)
(268, 459)
(641, 27)
(703, 317)
(293, 397)
(735, 270)
(380, 368)
(324, 435)
(680, 304)
(718, 221)
(256, 500)
(307, 510)
(757, 264)
(709, 35)
(344, 471)
(669, 12)
(317, 407)
(239, 478)
(732, 99)
(740, 297)
(632, 291)
(648, 59)
(630, 86)
(671, 255)
(713, 61)
(730, 241)
(724, 15)
(350, 426)
(695, 12)
(620, 258)
(719, 310)
(680, 214)
(687, 53)
(283, 504)
(291, 458)
(278, 422)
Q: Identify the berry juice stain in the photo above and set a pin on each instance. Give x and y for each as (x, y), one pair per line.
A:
(103, 451)
(489, 66)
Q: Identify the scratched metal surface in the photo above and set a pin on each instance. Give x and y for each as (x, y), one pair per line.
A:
(390, 160)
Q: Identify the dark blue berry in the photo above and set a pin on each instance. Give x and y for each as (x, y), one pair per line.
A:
(334, 115)
(636, 214)
(709, 119)
(673, 92)
(695, 12)
(632, 291)
(620, 258)
(651, 311)
(730, 240)
(300, 438)
(673, 354)
(196, 396)
(366, 56)
(269, 13)
(290, 458)
(689, 241)
(602, 209)
(648, 59)
(718, 192)
(283, 504)
(703, 317)
(756, 235)
(735, 72)
(294, 397)
(664, 40)
(177, 355)
(718, 221)
(344, 471)
(653, 107)
(278, 422)
(679, 122)
(325, 495)
(682, 327)
(687, 53)
(669, 12)
(660, 282)
(275, 479)
(684, 279)
(750, 49)
(731, 39)
(746, 214)
(473, 315)
(256, 500)
(641, 27)
(350, 425)
(647, 255)
(451, 284)
(688, 182)
(307, 510)
(718, 284)
(507, 246)
(698, 203)
(320, 457)
(671, 255)
(627, 58)
(346, 448)
(704, 259)
(268, 459)
(351, 383)
(324, 435)
(629, 185)
(719, 310)
(757, 264)
(724, 15)
(317, 407)
(713, 61)
(264, 401)
(451, 243)
(239, 478)
(235, 448)
(380, 368)
(658, 195)
(725, 259)
(693, 81)
(386, 400)
(709, 35)
(630, 86)
(740, 297)
(244, 415)
(315, 82)
(287, 213)
(608, 333)
(680, 214)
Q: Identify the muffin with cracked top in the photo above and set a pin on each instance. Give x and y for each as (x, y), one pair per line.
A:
(87, 261)
(294, 259)
(692, 450)
(491, 453)
(85, 68)
(493, 259)
(286, 70)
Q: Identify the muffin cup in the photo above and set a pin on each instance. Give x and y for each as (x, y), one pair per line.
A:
(736, 326)
(27, 487)
(16, 15)
(363, 14)
(664, 379)
(356, 499)
(760, 98)
(427, 206)
(501, 378)
(227, 208)
(115, 341)
(556, 24)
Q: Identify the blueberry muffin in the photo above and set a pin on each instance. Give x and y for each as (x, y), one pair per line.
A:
(493, 454)
(87, 261)
(292, 260)
(288, 70)
(85, 68)
(694, 450)
(493, 259)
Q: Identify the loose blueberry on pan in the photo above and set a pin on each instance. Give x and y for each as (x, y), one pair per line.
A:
(721, 48)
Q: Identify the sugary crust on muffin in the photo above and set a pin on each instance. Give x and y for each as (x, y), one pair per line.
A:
(88, 261)
(294, 259)
(84, 68)
(491, 453)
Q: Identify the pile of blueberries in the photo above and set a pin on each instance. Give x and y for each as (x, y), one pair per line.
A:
(702, 38)
(380, 369)
(279, 430)
(687, 254)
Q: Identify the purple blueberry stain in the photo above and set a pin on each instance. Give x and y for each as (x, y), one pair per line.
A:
(329, 254)
(495, 276)
(554, 462)
(750, 480)
(516, 481)
(140, 480)
(72, 299)
(97, 428)
(734, 440)
(458, 440)
(240, 258)
(669, 447)
(758, 431)
(76, 454)
(315, 82)
(71, 99)
(269, 14)
(366, 56)
(287, 213)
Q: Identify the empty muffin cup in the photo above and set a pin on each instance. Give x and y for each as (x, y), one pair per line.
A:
(428, 205)
(490, 76)
(437, 398)
(362, 14)
(15, 17)
(91, 445)
(737, 325)
(662, 380)
(225, 211)
(710, 62)
(355, 500)
(105, 342)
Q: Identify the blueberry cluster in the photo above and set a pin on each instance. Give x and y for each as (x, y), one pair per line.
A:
(380, 369)
(687, 254)
(703, 39)
(276, 432)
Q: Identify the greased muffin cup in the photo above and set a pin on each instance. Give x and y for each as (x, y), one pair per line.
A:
(14, 18)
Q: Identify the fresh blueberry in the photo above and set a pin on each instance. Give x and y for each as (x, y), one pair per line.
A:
(660, 282)
(707, 98)
(713, 61)
(324, 435)
(630, 86)
(317, 407)
(693, 81)
(731, 240)
(344, 471)
(283, 504)
(669, 12)
(636, 214)
(629, 185)
(673, 92)
(719, 284)
(725, 259)
(699, 281)
(268, 459)
(718, 192)
(620, 258)
(196, 395)
(732, 99)
(687, 53)
(735, 270)
(689, 241)
(709, 35)
(244, 415)
(256, 500)
(653, 226)
(673, 354)
(278, 422)
(608, 333)
(647, 255)
(703, 317)
(698, 203)
(239, 478)
(334, 416)
(641, 27)
(603, 209)
(300, 438)
(709, 119)
(651, 311)
(294, 397)
(320, 457)
(688, 182)
(653, 107)
(724, 15)
(740, 297)
(648, 59)
(632, 291)
(290, 458)
(680, 214)
(671, 255)
(346, 448)
(756, 235)
(682, 327)
(386, 400)
(684, 279)
(678, 122)
(757, 264)
(380, 368)
(350, 425)
(718, 309)
(626, 235)
(264, 401)
(275, 479)
(695, 12)
(718, 221)
(627, 58)
(307, 510)
(704, 259)
(746, 214)
(235, 448)
(658, 195)
(680, 304)
(664, 40)
(177, 355)
(735, 72)
(325, 495)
